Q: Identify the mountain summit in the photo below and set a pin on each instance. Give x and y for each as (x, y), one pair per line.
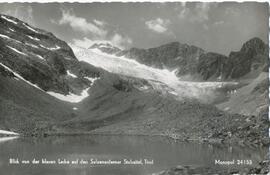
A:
(173, 55)
(106, 48)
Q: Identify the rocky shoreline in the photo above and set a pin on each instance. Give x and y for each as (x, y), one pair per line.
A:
(262, 168)
(251, 131)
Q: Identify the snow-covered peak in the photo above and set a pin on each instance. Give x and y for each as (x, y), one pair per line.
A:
(106, 48)
(102, 45)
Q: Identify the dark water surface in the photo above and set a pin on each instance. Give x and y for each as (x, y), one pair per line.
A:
(165, 153)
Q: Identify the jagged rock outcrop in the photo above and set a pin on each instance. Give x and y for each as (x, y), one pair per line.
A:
(251, 59)
(252, 56)
(213, 65)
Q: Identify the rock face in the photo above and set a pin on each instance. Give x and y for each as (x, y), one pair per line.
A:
(213, 65)
(41, 58)
(197, 63)
(33, 61)
(174, 55)
(252, 57)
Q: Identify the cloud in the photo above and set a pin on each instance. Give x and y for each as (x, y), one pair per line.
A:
(99, 23)
(218, 23)
(120, 41)
(205, 27)
(200, 13)
(158, 25)
(81, 24)
(94, 31)
(85, 42)
(116, 40)
(53, 21)
(185, 12)
(232, 11)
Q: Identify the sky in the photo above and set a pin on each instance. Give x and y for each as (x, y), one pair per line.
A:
(216, 27)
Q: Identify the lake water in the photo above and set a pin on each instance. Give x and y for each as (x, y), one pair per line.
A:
(164, 152)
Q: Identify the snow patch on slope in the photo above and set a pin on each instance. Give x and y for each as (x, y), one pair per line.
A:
(7, 37)
(71, 74)
(31, 45)
(55, 48)
(92, 79)
(50, 48)
(30, 28)
(9, 20)
(33, 38)
(20, 77)
(12, 30)
(72, 98)
(38, 56)
(19, 52)
(4, 36)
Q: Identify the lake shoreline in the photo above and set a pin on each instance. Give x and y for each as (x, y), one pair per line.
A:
(178, 138)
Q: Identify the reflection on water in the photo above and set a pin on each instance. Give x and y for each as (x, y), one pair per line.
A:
(165, 153)
(4, 139)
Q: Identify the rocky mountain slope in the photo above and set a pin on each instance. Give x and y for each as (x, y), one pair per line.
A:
(196, 63)
(41, 58)
(251, 59)
(36, 70)
(251, 99)
(246, 67)
(25, 108)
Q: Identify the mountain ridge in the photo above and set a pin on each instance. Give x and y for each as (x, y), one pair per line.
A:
(26, 49)
(191, 60)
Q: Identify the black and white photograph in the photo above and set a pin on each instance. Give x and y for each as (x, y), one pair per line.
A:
(134, 88)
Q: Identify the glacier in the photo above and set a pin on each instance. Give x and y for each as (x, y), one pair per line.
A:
(203, 91)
